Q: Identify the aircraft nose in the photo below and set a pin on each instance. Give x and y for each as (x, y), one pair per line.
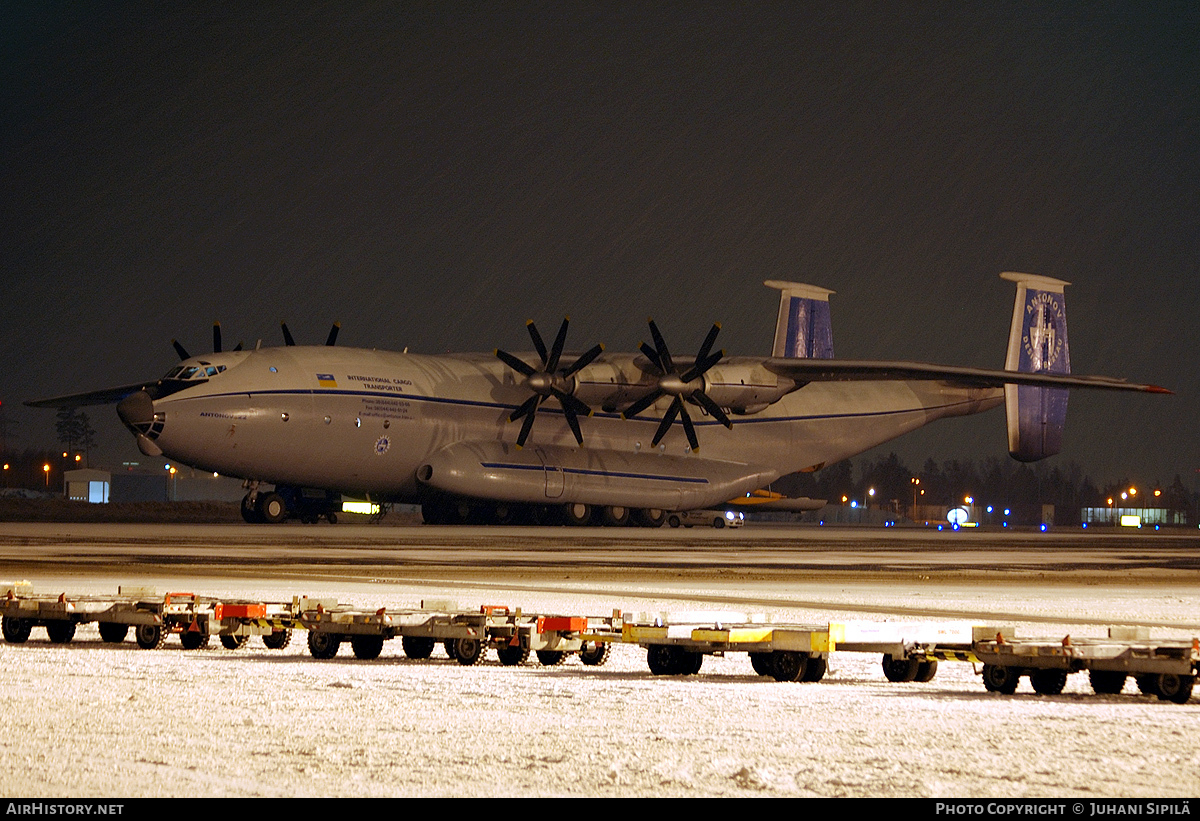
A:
(136, 411)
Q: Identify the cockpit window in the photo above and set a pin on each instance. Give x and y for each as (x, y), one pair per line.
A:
(193, 372)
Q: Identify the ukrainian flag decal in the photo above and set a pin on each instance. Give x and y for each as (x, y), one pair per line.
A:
(326, 380)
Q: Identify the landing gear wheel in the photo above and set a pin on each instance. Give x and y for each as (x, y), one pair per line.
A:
(193, 639)
(614, 516)
(595, 654)
(1176, 688)
(112, 632)
(149, 636)
(60, 632)
(323, 645)
(366, 647)
(234, 642)
(417, 647)
(511, 656)
(272, 508)
(673, 521)
(901, 669)
(1107, 682)
(761, 662)
(250, 511)
(788, 665)
(551, 658)
(16, 631)
(997, 679)
(578, 515)
(277, 639)
(469, 652)
(648, 517)
(1048, 682)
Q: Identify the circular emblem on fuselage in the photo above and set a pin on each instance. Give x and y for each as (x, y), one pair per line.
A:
(381, 445)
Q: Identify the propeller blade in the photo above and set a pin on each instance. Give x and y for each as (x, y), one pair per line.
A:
(559, 341)
(714, 410)
(701, 367)
(667, 420)
(179, 349)
(287, 335)
(569, 402)
(331, 340)
(641, 404)
(652, 355)
(525, 407)
(583, 361)
(517, 365)
(573, 421)
(661, 345)
(238, 347)
(528, 423)
(689, 428)
(708, 341)
(216, 337)
(538, 344)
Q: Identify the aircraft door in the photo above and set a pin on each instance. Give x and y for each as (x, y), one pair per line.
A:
(555, 479)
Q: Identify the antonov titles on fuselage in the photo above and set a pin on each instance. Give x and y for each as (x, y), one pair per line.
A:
(597, 437)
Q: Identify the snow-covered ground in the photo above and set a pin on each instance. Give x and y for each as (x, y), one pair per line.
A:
(92, 720)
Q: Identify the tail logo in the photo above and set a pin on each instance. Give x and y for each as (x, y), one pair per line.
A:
(1045, 331)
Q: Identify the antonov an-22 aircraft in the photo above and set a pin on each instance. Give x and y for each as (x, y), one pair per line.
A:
(597, 437)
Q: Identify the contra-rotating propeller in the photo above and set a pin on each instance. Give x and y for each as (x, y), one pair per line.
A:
(329, 341)
(687, 385)
(549, 381)
(183, 354)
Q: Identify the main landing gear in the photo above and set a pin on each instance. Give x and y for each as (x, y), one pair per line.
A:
(464, 511)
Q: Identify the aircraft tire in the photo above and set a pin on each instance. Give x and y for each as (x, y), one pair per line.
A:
(272, 508)
(648, 517)
(60, 631)
(578, 514)
(250, 511)
(614, 516)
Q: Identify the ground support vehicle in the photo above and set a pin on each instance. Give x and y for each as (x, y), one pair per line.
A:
(1163, 668)
(911, 650)
(676, 643)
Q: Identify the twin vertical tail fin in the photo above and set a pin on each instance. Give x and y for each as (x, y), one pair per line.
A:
(1037, 343)
(804, 329)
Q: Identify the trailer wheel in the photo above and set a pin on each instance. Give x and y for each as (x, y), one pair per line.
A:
(331, 518)
(901, 669)
(673, 521)
(234, 642)
(511, 656)
(551, 658)
(1148, 684)
(149, 636)
(595, 654)
(469, 651)
(998, 679)
(788, 665)
(689, 662)
(1176, 688)
(815, 671)
(366, 647)
(1048, 682)
(323, 645)
(761, 662)
(661, 659)
(451, 652)
(16, 631)
(1107, 682)
(926, 671)
(194, 639)
(60, 631)
(277, 639)
(417, 647)
(113, 632)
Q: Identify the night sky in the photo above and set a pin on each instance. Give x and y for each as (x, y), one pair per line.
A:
(434, 174)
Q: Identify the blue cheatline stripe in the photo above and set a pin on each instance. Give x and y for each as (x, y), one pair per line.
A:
(605, 473)
(502, 406)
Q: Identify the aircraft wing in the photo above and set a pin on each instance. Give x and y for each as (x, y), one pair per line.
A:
(845, 370)
(106, 396)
